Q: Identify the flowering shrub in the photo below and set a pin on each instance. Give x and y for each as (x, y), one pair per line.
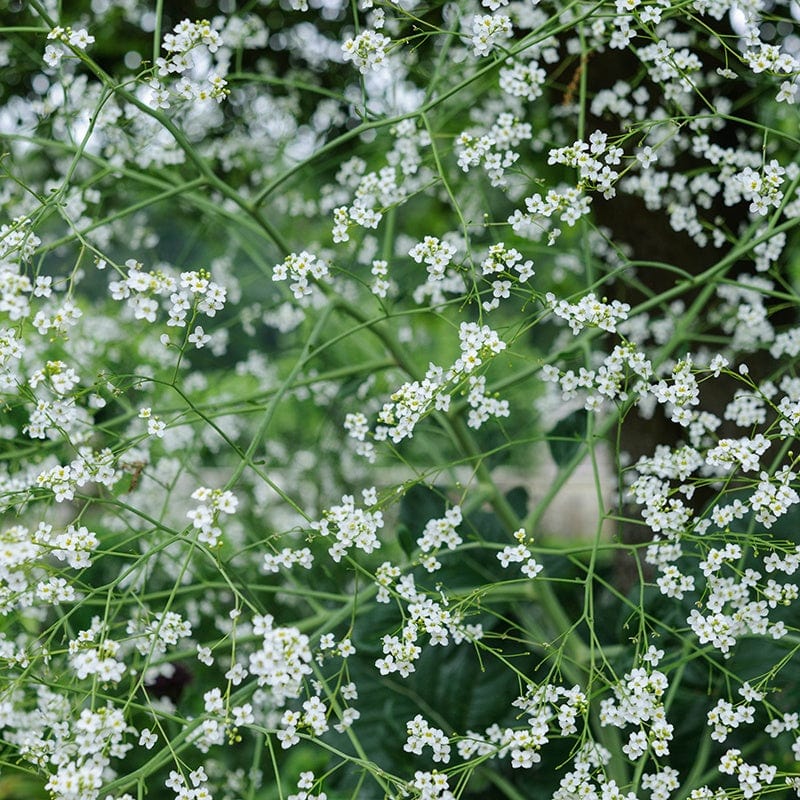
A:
(297, 302)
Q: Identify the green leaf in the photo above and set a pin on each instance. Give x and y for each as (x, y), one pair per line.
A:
(420, 504)
(17, 785)
(406, 539)
(567, 436)
(518, 498)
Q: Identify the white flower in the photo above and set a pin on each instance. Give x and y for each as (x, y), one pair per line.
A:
(199, 338)
(147, 738)
(367, 51)
(488, 30)
(80, 39)
(52, 56)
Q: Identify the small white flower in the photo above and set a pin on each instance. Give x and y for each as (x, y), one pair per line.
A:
(147, 738)
(367, 51)
(199, 338)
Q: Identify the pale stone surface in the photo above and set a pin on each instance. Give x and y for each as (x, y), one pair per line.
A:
(575, 511)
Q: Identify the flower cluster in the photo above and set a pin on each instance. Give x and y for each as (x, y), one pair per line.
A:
(374, 193)
(488, 31)
(725, 717)
(520, 79)
(313, 718)
(626, 366)
(638, 700)
(425, 615)
(421, 734)
(186, 296)
(299, 268)
(304, 783)
(287, 558)
(349, 526)
(594, 161)
(589, 311)
(93, 652)
(761, 189)
(431, 786)
(91, 466)
(505, 261)
(544, 705)
(751, 777)
(436, 254)
(520, 554)
(195, 787)
(494, 150)
(416, 399)
(367, 51)
(188, 47)
(409, 404)
(205, 517)
(281, 661)
(570, 203)
(24, 579)
(68, 39)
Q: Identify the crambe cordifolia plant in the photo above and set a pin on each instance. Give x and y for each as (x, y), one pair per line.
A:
(399, 400)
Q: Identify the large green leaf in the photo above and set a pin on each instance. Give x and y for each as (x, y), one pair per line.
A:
(567, 436)
(421, 503)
